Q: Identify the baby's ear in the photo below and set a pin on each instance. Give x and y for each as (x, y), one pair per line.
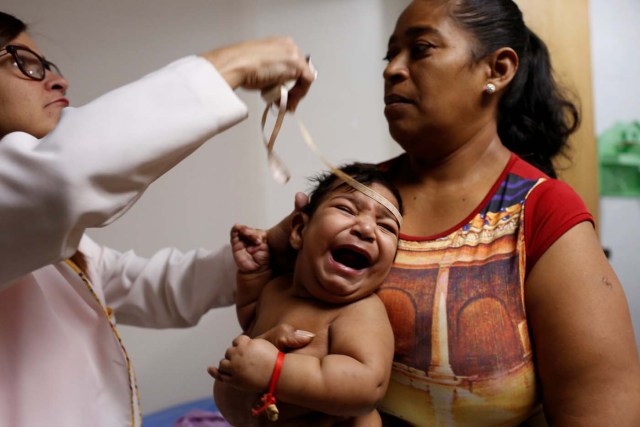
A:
(298, 223)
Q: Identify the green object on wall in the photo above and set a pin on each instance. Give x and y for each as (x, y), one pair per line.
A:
(619, 160)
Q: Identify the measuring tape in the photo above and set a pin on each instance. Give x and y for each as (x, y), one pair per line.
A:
(279, 170)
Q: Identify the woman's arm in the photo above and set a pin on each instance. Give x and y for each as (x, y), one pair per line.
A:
(583, 338)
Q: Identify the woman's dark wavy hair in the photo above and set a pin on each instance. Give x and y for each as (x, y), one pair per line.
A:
(10, 28)
(365, 173)
(535, 116)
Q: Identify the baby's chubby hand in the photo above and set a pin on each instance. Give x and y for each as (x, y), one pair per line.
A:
(250, 249)
(247, 364)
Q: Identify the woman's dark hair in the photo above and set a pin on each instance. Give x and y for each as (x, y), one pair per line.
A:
(365, 173)
(10, 28)
(535, 117)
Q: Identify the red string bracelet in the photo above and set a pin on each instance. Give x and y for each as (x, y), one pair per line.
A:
(268, 400)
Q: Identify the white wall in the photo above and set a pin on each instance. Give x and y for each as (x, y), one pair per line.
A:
(616, 67)
(100, 45)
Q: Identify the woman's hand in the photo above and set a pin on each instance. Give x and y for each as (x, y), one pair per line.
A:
(282, 254)
(285, 337)
(261, 64)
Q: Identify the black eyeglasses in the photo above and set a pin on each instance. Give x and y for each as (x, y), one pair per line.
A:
(30, 63)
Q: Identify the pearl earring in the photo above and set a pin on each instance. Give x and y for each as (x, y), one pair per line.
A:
(490, 88)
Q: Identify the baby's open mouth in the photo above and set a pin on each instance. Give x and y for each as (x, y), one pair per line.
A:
(351, 258)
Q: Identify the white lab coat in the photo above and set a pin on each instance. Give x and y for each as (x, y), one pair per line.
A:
(61, 359)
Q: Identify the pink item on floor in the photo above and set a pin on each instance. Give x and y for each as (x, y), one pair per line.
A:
(200, 418)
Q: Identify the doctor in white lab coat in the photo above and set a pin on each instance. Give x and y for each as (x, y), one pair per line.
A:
(63, 170)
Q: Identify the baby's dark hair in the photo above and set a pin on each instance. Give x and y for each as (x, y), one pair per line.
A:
(365, 173)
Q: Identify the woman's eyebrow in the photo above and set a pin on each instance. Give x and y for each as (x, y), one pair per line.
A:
(415, 31)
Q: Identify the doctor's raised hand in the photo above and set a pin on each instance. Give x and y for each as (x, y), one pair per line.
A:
(263, 64)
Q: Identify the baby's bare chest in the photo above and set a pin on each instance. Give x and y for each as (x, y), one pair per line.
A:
(303, 314)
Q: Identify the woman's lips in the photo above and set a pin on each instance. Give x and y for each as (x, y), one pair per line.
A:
(396, 99)
(395, 105)
(64, 102)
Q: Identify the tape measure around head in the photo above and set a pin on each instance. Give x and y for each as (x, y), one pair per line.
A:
(279, 170)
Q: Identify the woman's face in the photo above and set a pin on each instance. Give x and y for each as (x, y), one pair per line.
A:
(433, 89)
(28, 105)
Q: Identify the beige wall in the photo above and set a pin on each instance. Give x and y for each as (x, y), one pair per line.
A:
(564, 26)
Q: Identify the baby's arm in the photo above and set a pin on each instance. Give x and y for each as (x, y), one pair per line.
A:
(353, 378)
(251, 254)
(349, 381)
